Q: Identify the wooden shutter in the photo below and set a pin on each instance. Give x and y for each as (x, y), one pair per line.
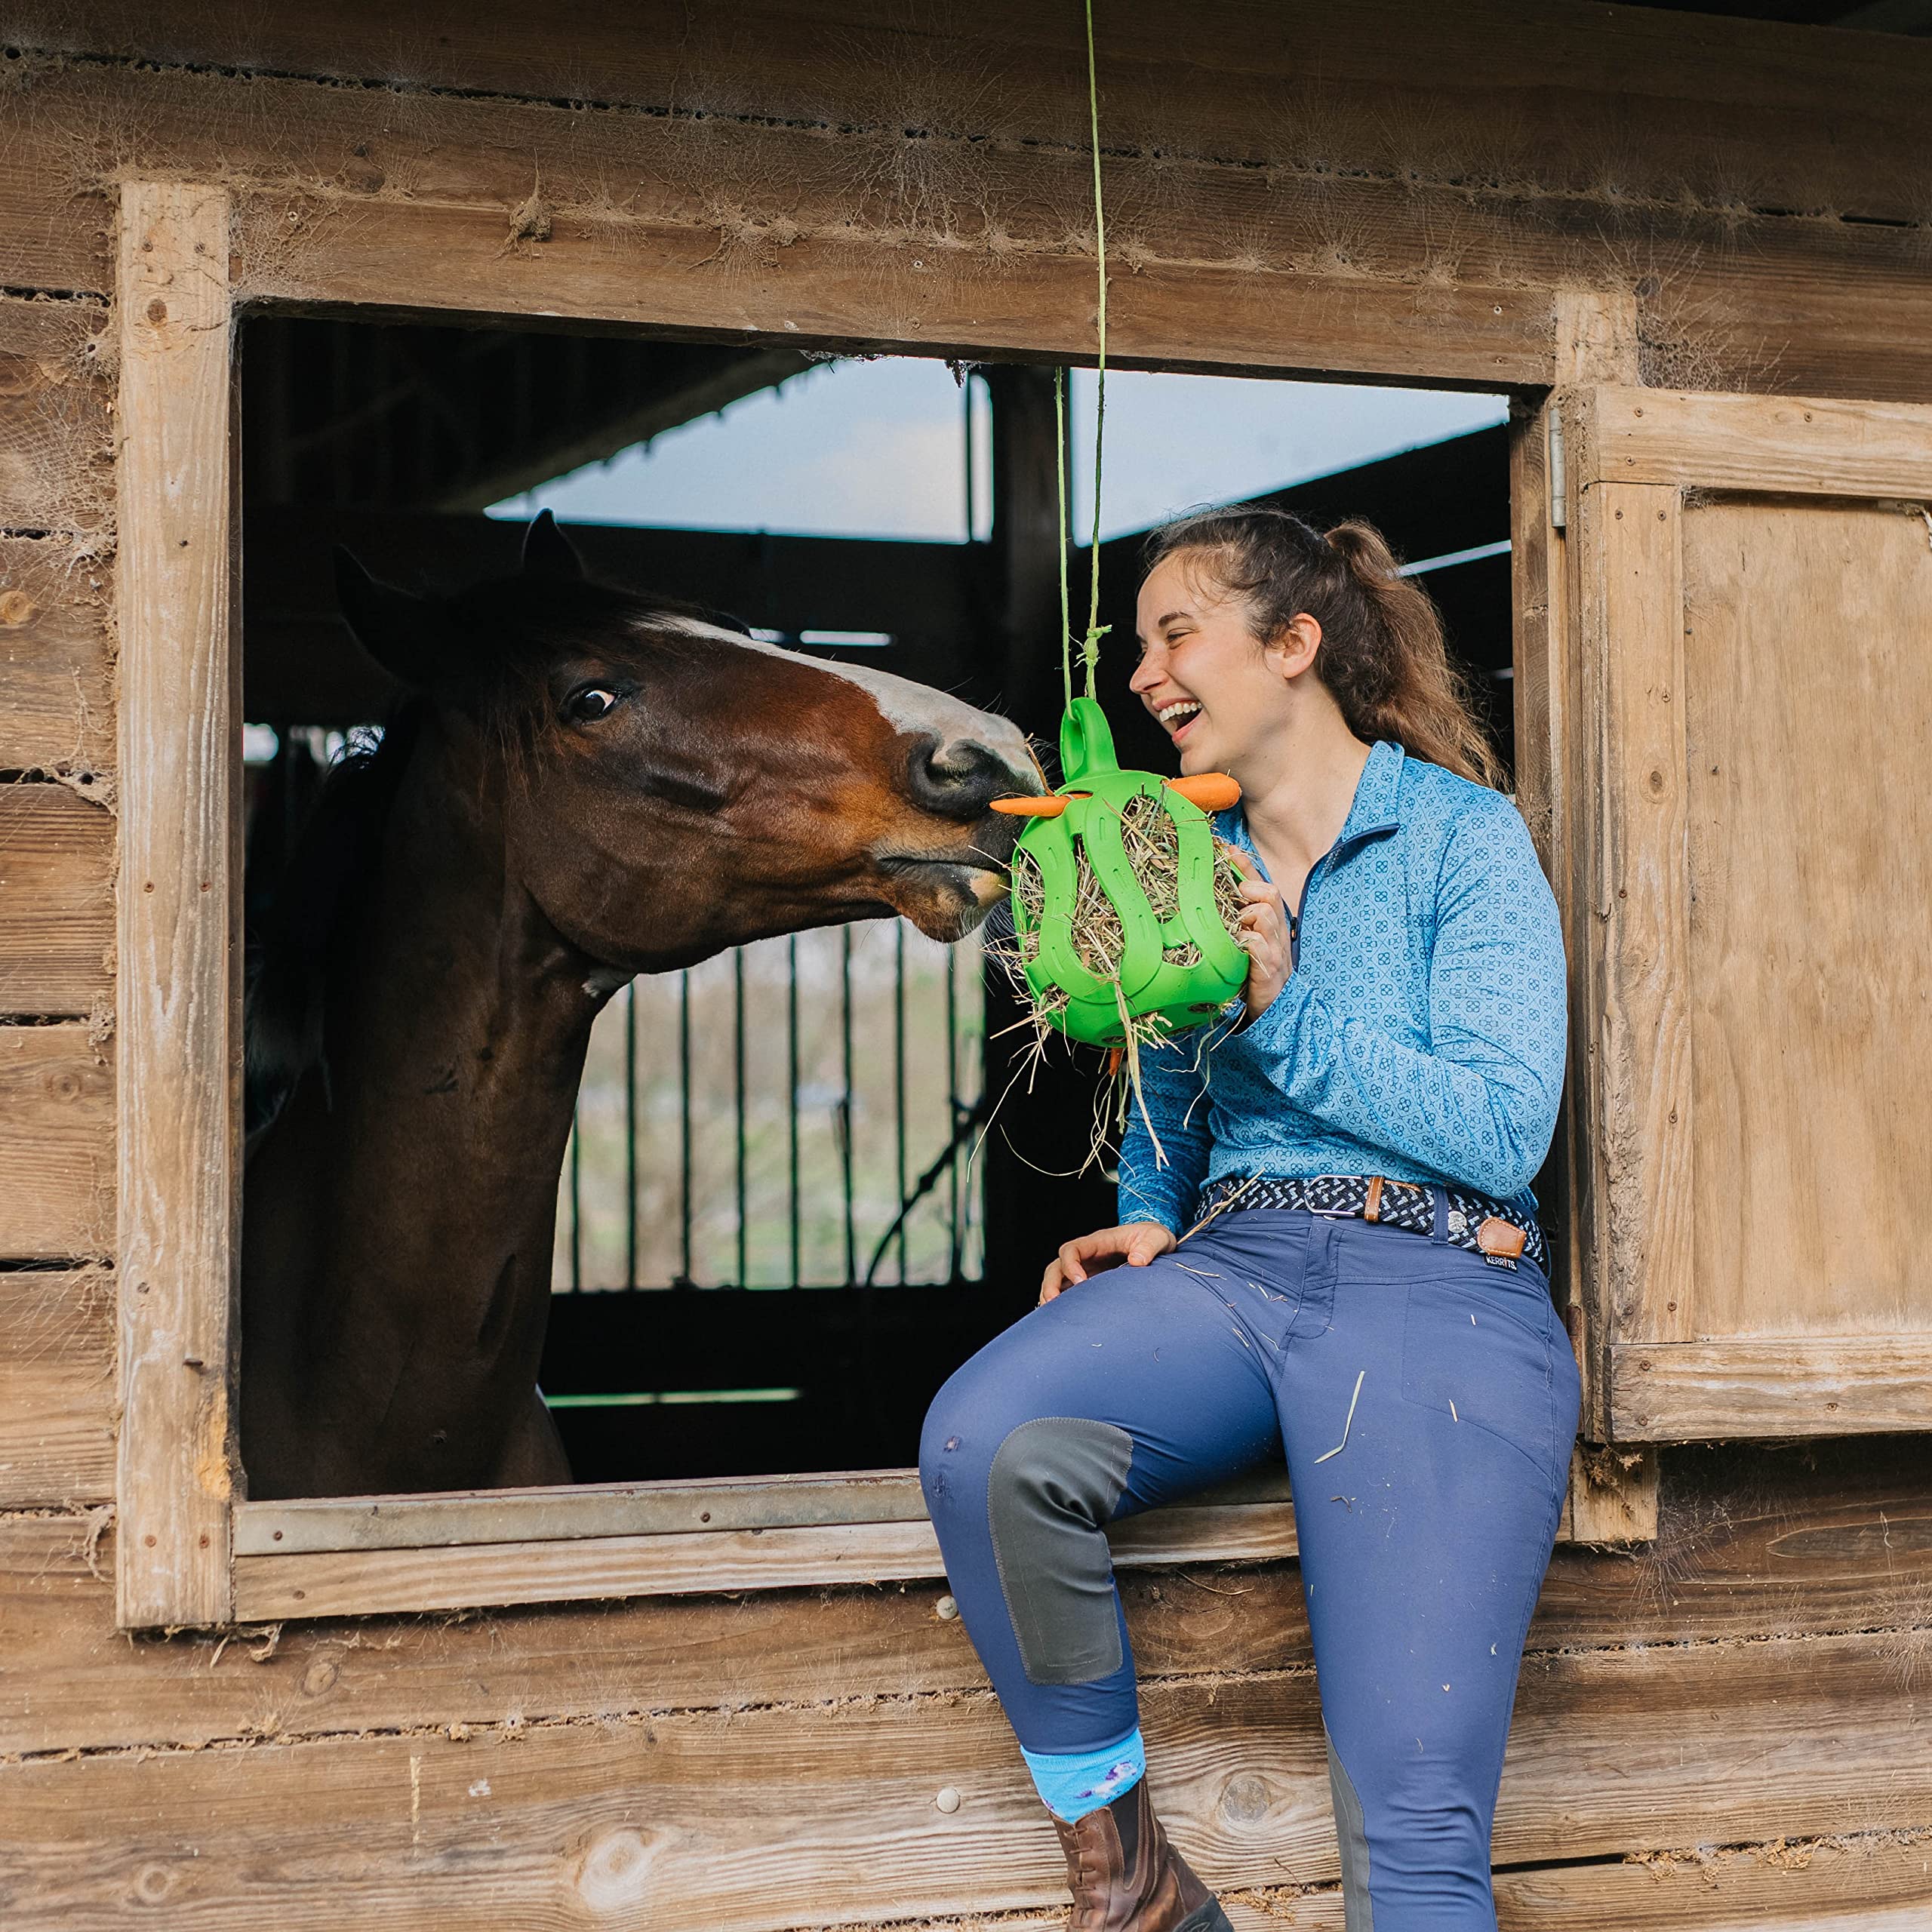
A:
(1752, 925)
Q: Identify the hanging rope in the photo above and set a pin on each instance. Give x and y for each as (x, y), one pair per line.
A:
(1090, 647)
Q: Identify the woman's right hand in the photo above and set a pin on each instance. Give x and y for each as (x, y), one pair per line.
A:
(1136, 1243)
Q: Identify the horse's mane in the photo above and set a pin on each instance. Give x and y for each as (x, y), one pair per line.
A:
(295, 920)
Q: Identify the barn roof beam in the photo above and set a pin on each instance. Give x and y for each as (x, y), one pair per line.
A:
(445, 419)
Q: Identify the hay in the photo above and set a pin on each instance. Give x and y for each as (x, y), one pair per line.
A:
(1152, 847)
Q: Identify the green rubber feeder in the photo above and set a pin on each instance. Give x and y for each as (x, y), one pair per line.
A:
(1179, 970)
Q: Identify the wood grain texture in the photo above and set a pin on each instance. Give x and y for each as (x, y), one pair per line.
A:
(1831, 1537)
(1613, 1495)
(56, 1144)
(1669, 105)
(657, 1820)
(1344, 233)
(56, 1387)
(1873, 1384)
(1879, 1883)
(1806, 446)
(56, 451)
(1639, 1026)
(57, 900)
(1596, 339)
(56, 698)
(179, 985)
(576, 1510)
(367, 1582)
(1811, 870)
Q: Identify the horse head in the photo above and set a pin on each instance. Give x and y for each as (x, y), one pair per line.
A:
(670, 786)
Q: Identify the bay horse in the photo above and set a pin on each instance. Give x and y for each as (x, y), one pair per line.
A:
(581, 785)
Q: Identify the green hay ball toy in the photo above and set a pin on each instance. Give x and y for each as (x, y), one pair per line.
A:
(1084, 821)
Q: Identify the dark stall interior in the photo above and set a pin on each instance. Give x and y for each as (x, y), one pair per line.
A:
(391, 438)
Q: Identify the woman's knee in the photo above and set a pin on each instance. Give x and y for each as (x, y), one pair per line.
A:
(952, 1452)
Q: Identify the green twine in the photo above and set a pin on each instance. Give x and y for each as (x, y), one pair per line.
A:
(1090, 647)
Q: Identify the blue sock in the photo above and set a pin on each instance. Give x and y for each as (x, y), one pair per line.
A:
(1074, 1783)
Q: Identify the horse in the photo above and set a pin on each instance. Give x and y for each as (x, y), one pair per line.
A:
(581, 784)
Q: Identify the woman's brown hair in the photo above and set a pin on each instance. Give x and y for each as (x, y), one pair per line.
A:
(1382, 657)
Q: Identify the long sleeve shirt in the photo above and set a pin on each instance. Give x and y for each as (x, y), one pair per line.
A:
(1420, 1035)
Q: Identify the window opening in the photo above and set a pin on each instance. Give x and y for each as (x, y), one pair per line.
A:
(771, 1244)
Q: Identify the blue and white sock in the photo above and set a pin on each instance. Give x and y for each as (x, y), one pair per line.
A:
(1076, 1783)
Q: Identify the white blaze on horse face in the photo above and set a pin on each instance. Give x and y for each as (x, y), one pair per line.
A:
(906, 706)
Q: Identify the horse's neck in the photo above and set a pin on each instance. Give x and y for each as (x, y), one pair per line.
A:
(455, 1044)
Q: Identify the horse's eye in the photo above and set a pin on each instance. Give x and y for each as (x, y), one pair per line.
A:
(593, 702)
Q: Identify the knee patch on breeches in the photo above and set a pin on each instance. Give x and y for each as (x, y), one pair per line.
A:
(1054, 1483)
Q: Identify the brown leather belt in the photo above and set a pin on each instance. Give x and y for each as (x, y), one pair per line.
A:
(1503, 1234)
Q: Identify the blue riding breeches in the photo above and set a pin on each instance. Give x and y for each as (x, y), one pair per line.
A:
(1426, 1401)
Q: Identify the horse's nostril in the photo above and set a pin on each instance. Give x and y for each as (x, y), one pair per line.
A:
(959, 779)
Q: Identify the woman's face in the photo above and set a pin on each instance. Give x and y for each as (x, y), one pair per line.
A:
(1203, 675)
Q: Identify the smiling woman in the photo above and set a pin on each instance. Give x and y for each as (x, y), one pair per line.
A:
(584, 785)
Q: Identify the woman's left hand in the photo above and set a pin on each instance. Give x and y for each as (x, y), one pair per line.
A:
(1263, 934)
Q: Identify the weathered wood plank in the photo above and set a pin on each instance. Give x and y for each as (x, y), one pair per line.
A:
(57, 449)
(372, 1581)
(57, 900)
(678, 1819)
(1805, 445)
(56, 1144)
(1815, 1114)
(179, 985)
(56, 1387)
(1690, 1392)
(1638, 1030)
(718, 1504)
(1835, 1537)
(874, 234)
(1613, 1495)
(840, 284)
(1881, 1882)
(57, 697)
(1658, 105)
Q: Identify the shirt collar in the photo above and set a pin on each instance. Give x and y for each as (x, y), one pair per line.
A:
(1375, 808)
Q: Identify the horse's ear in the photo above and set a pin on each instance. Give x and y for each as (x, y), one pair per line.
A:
(411, 638)
(547, 552)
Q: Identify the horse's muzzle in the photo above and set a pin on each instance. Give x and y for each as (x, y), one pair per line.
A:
(960, 780)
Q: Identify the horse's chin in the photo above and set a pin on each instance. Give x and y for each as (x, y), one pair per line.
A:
(945, 900)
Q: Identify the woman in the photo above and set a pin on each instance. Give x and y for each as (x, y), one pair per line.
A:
(1327, 1246)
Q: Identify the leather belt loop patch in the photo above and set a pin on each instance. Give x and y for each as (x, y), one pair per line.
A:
(1501, 1238)
(1372, 1208)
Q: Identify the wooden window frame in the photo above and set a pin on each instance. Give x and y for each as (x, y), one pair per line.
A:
(190, 1552)
(1633, 455)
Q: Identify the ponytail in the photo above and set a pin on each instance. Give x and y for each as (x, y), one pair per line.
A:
(1382, 657)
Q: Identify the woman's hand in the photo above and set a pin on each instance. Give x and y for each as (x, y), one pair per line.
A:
(1263, 934)
(1136, 1243)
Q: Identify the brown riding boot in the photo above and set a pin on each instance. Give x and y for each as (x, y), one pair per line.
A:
(1127, 1877)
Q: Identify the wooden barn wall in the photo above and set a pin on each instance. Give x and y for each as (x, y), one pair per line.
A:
(1723, 1728)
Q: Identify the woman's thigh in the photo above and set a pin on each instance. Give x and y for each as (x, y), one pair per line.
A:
(1424, 1540)
(1128, 1390)
(1152, 1353)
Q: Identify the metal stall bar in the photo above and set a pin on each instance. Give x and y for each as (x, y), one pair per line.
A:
(792, 1097)
(738, 1105)
(845, 1103)
(684, 1121)
(899, 1076)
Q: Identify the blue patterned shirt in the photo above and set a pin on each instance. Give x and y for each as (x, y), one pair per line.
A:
(1420, 1035)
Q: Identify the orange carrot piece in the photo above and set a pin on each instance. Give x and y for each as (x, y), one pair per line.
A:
(1212, 791)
